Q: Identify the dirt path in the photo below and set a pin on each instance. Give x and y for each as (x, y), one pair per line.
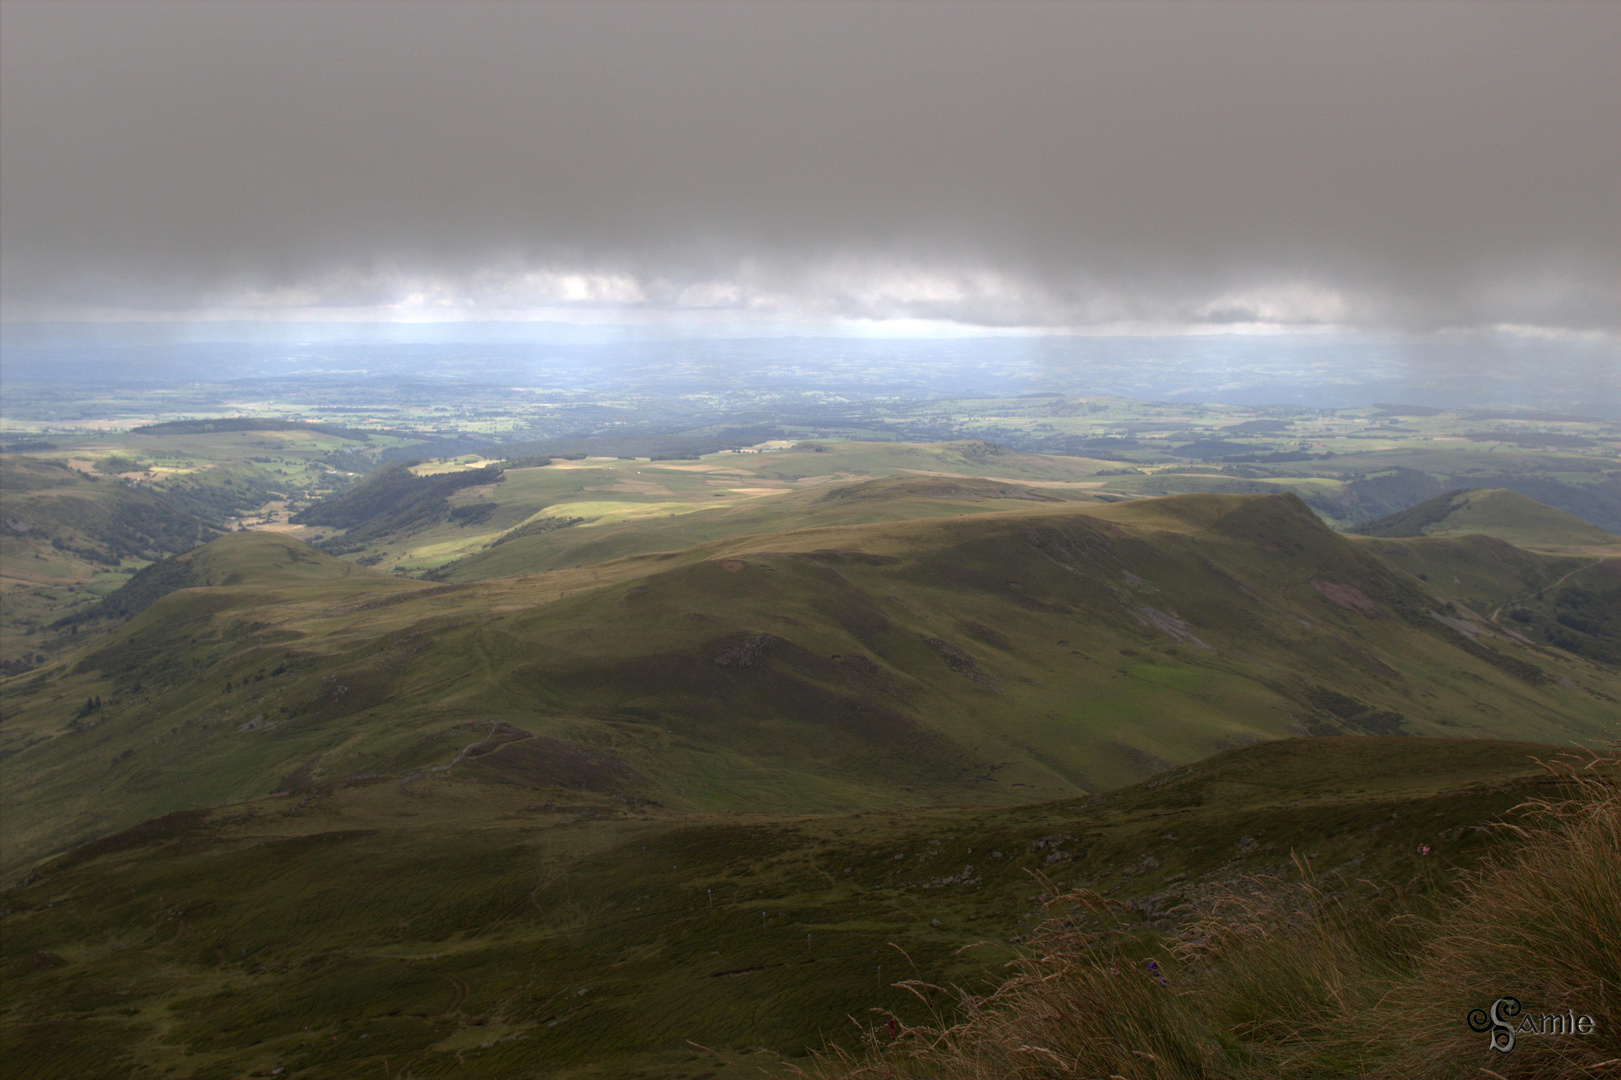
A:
(495, 726)
(1545, 588)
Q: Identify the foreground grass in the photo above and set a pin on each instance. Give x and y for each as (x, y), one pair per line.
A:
(458, 927)
(1311, 981)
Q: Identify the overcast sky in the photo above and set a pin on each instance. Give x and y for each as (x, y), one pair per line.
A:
(1081, 166)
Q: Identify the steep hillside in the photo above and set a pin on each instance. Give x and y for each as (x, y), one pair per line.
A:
(1571, 603)
(391, 501)
(990, 658)
(463, 927)
(66, 539)
(1499, 513)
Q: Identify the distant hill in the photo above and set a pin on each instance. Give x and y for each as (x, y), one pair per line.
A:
(66, 537)
(249, 558)
(931, 487)
(97, 519)
(1498, 512)
(884, 482)
(248, 423)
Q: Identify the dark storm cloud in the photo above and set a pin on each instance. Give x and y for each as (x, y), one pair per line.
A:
(1432, 164)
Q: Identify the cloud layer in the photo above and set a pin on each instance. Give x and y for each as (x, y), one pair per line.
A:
(1204, 164)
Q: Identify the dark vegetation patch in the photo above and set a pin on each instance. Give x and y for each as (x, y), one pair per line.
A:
(1212, 449)
(1407, 410)
(142, 529)
(761, 694)
(1523, 670)
(1360, 714)
(960, 662)
(539, 761)
(334, 836)
(862, 558)
(244, 423)
(1140, 760)
(1530, 438)
(473, 513)
(222, 492)
(536, 527)
(145, 587)
(988, 634)
(1586, 615)
(117, 463)
(391, 501)
(172, 826)
(747, 651)
(1348, 597)
(1415, 519)
(1377, 494)
(100, 521)
(672, 446)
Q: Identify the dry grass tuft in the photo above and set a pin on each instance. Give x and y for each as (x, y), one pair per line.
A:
(1300, 979)
(1539, 920)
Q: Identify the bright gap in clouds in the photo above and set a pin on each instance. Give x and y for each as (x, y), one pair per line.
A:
(850, 296)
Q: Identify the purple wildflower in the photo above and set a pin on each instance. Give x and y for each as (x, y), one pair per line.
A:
(1153, 969)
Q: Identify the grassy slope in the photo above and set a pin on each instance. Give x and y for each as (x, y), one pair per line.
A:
(1505, 515)
(461, 928)
(268, 560)
(1571, 602)
(997, 657)
(1475, 569)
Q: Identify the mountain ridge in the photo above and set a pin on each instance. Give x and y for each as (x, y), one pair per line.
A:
(1060, 648)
